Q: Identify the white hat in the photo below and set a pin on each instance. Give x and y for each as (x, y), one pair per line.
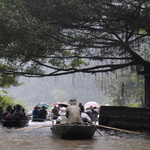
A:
(62, 111)
(72, 101)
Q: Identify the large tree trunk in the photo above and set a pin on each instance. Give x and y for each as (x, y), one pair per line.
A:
(147, 90)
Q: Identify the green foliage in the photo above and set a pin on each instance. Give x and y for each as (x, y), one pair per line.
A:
(52, 35)
(7, 81)
(124, 88)
(135, 105)
(78, 63)
(6, 100)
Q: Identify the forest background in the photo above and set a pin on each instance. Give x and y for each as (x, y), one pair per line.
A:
(120, 88)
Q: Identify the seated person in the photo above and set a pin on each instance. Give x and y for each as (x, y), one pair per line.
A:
(89, 112)
(43, 112)
(73, 112)
(55, 112)
(85, 117)
(36, 112)
(62, 118)
(8, 113)
(18, 112)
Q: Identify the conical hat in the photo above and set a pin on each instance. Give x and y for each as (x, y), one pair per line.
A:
(65, 103)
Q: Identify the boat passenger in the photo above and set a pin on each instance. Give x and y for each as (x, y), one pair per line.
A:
(18, 112)
(8, 113)
(55, 112)
(43, 112)
(85, 117)
(36, 112)
(81, 107)
(73, 112)
(94, 112)
(89, 112)
(62, 118)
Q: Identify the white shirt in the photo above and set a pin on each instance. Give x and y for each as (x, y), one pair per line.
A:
(85, 116)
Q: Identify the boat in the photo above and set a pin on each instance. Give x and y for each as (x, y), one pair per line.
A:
(73, 131)
(39, 120)
(15, 123)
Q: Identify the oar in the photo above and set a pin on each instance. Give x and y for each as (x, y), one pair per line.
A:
(116, 129)
(34, 127)
(99, 132)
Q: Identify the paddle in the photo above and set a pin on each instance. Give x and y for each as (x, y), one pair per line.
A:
(34, 127)
(98, 132)
(116, 129)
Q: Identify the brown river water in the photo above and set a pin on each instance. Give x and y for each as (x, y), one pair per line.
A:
(43, 139)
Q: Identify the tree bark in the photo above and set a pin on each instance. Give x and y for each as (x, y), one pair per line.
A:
(147, 90)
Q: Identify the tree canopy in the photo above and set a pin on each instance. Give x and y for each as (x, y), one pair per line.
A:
(57, 37)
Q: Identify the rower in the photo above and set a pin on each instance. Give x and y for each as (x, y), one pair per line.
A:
(73, 112)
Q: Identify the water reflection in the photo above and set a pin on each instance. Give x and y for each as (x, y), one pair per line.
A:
(43, 139)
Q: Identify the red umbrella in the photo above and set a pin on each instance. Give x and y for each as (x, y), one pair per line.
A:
(55, 104)
(91, 103)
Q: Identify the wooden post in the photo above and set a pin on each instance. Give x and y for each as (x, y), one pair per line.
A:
(147, 90)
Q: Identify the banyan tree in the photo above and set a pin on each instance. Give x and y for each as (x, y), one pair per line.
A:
(42, 38)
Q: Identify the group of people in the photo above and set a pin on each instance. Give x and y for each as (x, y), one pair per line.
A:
(73, 113)
(16, 113)
(39, 113)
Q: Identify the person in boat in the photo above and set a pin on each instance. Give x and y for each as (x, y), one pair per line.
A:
(84, 116)
(19, 113)
(8, 113)
(43, 112)
(63, 104)
(94, 113)
(90, 113)
(62, 116)
(73, 112)
(55, 112)
(81, 107)
(36, 112)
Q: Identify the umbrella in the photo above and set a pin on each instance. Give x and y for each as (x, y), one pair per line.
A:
(91, 103)
(42, 104)
(55, 104)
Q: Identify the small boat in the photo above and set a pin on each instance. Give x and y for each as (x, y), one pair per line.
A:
(15, 123)
(73, 131)
(39, 120)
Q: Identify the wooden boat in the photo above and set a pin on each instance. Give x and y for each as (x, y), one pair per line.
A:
(39, 120)
(15, 123)
(73, 131)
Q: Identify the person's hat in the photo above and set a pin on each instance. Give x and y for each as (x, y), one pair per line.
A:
(64, 104)
(62, 111)
(72, 101)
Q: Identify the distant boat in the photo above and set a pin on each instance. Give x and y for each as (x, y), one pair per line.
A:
(39, 119)
(15, 123)
(73, 131)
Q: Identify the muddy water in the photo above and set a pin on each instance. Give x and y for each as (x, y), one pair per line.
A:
(43, 139)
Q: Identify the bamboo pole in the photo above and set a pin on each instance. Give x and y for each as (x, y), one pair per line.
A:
(30, 128)
(117, 129)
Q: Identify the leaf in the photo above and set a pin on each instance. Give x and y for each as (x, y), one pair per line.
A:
(4, 91)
